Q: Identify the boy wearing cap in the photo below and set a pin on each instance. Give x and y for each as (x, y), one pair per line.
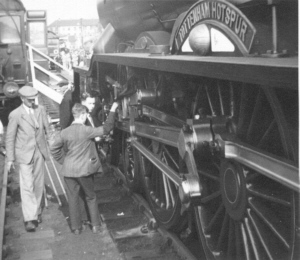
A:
(26, 145)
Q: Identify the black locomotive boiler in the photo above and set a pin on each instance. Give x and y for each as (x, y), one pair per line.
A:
(208, 125)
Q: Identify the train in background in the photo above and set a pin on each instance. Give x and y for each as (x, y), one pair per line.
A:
(207, 130)
(18, 26)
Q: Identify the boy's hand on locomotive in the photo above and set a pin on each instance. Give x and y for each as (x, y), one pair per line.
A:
(114, 107)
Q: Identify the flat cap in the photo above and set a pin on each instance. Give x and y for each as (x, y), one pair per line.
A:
(28, 92)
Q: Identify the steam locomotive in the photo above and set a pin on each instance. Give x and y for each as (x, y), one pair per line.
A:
(18, 26)
(207, 130)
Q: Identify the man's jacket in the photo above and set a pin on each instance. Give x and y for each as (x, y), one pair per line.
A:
(23, 137)
(75, 148)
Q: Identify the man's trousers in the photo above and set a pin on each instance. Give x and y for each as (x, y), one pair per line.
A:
(32, 186)
(73, 186)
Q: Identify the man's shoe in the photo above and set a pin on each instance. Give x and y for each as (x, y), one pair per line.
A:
(29, 226)
(39, 220)
(77, 232)
(96, 229)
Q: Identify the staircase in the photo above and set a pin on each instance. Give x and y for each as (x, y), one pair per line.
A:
(51, 86)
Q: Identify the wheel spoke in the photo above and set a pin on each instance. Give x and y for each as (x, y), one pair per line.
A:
(171, 192)
(243, 108)
(166, 191)
(267, 243)
(251, 177)
(268, 196)
(150, 147)
(270, 220)
(160, 190)
(223, 233)
(172, 159)
(213, 112)
(231, 240)
(214, 219)
(285, 137)
(255, 113)
(245, 242)
(210, 197)
(250, 232)
(238, 241)
(266, 134)
(232, 102)
(217, 166)
(221, 99)
(195, 104)
(208, 175)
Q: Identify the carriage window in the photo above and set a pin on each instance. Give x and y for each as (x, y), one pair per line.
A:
(219, 42)
(10, 29)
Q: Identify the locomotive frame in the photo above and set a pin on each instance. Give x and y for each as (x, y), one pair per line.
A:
(213, 136)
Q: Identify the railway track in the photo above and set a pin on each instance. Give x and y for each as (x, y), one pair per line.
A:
(149, 228)
(129, 229)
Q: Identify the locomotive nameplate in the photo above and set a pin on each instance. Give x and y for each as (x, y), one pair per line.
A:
(222, 15)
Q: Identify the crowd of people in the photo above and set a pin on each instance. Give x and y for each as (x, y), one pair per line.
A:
(74, 147)
(73, 57)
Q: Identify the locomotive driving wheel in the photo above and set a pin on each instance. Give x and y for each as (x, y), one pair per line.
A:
(162, 193)
(244, 214)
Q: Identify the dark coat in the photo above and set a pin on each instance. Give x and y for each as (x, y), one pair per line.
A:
(75, 149)
(65, 110)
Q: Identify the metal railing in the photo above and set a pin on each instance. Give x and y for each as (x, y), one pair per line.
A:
(39, 85)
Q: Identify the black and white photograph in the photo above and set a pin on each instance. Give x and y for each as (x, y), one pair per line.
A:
(149, 130)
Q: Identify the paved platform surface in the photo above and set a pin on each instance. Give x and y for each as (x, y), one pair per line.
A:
(53, 238)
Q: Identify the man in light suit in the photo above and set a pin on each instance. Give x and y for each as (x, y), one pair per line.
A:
(75, 149)
(26, 145)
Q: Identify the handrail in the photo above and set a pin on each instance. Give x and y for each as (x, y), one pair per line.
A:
(48, 58)
(49, 92)
(3, 206)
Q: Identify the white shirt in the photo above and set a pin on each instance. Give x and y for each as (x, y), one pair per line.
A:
(27, 109)
(91, 120)
(97, 139)
(30, 112)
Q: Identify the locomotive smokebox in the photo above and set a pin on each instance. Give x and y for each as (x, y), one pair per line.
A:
(199, 40)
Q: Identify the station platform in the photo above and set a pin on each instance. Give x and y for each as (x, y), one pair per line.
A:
(53, 238)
